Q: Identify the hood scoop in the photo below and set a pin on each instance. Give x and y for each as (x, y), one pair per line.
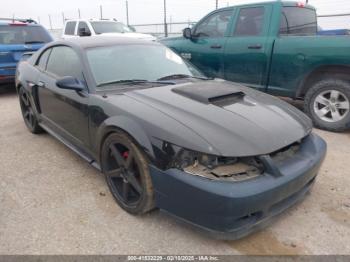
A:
(211, 94)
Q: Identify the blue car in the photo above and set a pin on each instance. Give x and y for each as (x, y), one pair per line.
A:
(16, 38)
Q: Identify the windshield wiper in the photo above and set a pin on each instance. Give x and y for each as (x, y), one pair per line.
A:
(179, 76)
(34, 42)
(135, 82)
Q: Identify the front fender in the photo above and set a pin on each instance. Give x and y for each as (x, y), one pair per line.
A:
(131, 127)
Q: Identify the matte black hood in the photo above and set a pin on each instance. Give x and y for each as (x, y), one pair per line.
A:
(233, 119)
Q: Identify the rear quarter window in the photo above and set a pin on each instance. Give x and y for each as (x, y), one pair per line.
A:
(41, 63)
(298, 21)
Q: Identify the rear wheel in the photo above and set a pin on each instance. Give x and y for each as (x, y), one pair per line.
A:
(328, 104)
(127, 174)
(27, 112)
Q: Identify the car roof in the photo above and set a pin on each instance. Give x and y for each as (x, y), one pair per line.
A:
(100, 41)
(285, 3)
(2, 22)
(93, 20)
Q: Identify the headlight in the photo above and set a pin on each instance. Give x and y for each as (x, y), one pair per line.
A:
(208, 166)
(217, 167)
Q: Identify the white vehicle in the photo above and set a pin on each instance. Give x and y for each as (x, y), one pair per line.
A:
(79, 28)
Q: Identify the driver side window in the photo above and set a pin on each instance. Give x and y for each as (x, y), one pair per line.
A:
(63, 61)
(215, 25)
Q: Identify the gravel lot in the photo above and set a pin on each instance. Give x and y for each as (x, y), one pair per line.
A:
(52, 202)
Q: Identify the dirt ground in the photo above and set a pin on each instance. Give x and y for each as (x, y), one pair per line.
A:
(52, 202)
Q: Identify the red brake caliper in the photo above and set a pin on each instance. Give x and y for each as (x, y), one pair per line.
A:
(125, 155)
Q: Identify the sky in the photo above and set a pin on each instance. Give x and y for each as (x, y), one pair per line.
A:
(147, 11)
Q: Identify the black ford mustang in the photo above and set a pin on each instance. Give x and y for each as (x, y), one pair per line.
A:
(221, 156)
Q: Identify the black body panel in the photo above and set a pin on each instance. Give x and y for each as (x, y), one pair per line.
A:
(212, 117)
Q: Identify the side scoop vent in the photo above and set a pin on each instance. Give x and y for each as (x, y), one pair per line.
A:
(219, 95)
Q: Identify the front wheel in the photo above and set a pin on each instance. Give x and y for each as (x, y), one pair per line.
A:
(327, 102)
(127, 174)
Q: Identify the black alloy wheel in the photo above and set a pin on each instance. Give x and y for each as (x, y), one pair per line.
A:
(28, 113)
(127, 174)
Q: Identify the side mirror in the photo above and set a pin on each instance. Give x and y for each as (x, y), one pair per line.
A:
(82, 32)
(70, 83)
(187, 33)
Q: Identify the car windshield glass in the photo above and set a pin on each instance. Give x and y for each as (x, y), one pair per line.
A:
(101, 27)
(23, 34)
(137, 61)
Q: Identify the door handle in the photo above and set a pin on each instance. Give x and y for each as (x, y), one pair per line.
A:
(257, 46)
(216, 46)
(41, 84)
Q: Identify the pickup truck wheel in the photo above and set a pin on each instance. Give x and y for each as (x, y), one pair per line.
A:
(127, 174)
(327, 102)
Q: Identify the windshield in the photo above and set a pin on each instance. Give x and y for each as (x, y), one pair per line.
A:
(23, 34)
(101, 27)
(136, 61)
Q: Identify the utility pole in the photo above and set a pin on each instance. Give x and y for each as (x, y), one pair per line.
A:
(127, 12)
(63, 18)
(216, 4)
(50, 22)
(39, 19)
(79, 13)
(101, 16)
(165, 23)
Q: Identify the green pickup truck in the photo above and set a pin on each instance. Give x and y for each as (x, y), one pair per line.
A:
(274, 47)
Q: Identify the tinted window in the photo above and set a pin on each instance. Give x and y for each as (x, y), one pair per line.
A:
(83, 25)
(41, 63)
(214, 25)
(298, 21)
(250, 21)
(63, 61)
(109, 27)
(70, 27)
(26, 34)
(125, 62)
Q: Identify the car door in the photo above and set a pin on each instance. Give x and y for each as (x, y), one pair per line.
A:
(248, 49)
(206, 47)
(64, 111)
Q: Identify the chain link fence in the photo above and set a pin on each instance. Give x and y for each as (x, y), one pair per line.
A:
(327, 22)
(158, 29)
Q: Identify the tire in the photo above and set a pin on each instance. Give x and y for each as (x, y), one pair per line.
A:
(27, 112)
(327, 103)
(126, 169)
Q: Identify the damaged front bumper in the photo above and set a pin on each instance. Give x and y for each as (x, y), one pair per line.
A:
(231, 210)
